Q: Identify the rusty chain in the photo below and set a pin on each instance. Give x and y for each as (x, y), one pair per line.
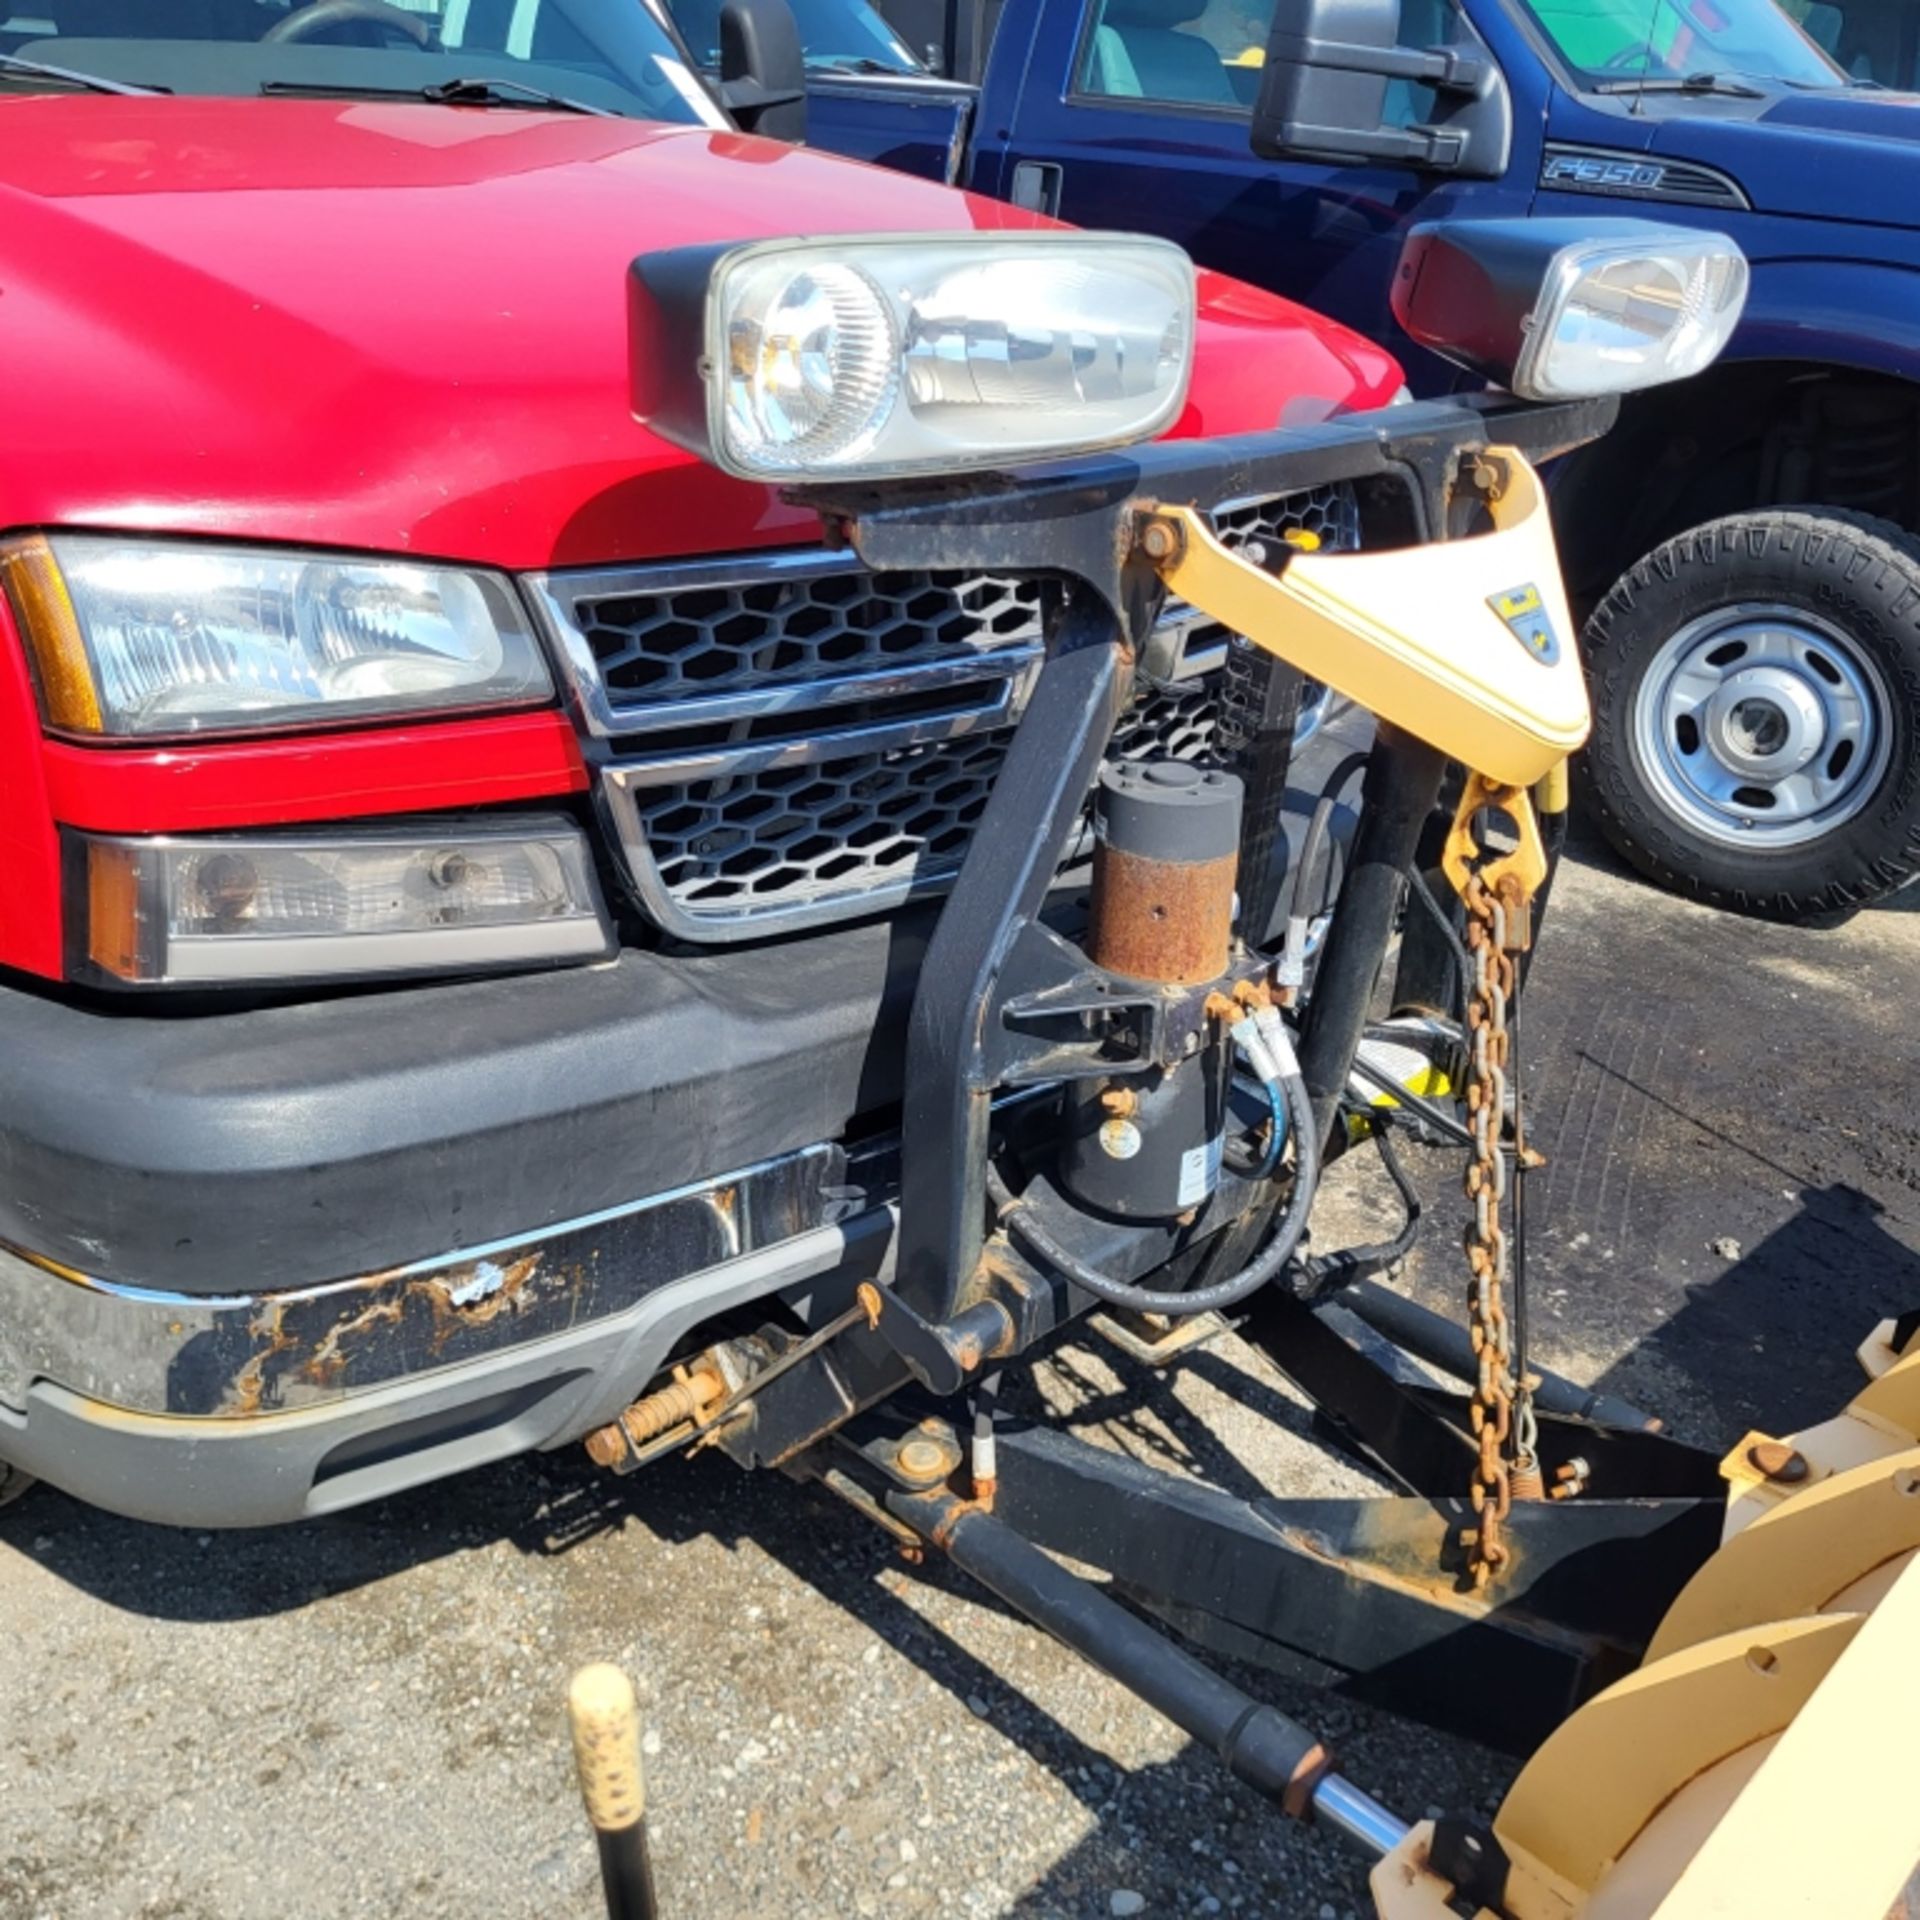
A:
(1498, 897)
(1487, 1252)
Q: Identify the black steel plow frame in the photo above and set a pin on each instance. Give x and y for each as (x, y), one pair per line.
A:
(1370, 1597)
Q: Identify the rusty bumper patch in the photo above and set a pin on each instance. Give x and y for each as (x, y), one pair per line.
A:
(235, 1358)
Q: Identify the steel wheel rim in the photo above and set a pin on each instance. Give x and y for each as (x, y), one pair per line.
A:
(1763, 726)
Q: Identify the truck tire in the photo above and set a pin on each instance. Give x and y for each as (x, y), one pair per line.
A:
(1756, 713)
(13, 1484)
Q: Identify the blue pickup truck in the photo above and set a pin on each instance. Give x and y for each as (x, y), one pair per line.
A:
(1744, 546)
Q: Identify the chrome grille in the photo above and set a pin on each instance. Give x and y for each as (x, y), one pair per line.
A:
(759, 842)
(789, 738)
(1169, 722)
(823, 616)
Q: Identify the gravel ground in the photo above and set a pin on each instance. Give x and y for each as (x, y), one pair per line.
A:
(364, 1715)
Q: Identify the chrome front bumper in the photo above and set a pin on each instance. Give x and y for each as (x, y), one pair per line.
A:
(238, 1357)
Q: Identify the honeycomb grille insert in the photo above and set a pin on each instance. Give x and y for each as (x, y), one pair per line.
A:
(792, 739)
(796, 835)
(703, 640)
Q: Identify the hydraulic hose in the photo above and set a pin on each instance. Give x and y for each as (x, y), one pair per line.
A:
(1403, 778)
(1276, 1133)
(1462, 960)
(1264, 1266)
(1293, 953)
(1321, 1274)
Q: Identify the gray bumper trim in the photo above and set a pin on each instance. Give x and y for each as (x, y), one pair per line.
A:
(319, 1459)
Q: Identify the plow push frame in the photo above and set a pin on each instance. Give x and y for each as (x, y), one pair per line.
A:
(1391, 1599)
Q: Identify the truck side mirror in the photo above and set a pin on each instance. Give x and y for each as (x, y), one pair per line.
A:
(763, 75)
(1324, 92)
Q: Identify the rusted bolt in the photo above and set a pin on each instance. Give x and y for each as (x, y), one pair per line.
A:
(1485, 476)
(1570, 1479)
(606, 1446)
(1120, 1101)
(1776, 1461)
(922, 1459)
(1159, 540)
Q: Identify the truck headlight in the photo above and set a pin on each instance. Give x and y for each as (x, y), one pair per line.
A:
(813, 359)
(1569, 309)
(419, 896)
(137, 637)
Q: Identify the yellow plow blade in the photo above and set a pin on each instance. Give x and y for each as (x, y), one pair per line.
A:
(1756, 1767)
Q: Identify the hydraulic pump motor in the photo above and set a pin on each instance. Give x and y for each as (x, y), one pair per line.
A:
(1165, 858)
(1166, 854)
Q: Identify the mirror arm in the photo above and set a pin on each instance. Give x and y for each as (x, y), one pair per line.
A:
(1437, 148)
(1450, 69)
(749, 96)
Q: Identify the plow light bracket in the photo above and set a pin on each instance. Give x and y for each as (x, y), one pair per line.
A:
(1564, 309)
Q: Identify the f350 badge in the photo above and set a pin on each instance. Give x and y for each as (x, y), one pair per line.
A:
(1527, 619)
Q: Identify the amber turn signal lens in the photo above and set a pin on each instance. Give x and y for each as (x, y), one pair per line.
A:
(44, 609)
(113, 909)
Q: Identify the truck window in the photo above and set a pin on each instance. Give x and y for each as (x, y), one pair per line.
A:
(1209, 53)
(611, 53)
(1876, 40)
(1752, 39)
(1193, 52)
(833, 33)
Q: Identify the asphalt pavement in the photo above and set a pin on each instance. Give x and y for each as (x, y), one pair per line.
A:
(364, 1715)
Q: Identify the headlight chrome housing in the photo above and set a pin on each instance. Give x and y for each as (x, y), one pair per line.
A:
(882, 358)
(154, 638)
(1571, 309)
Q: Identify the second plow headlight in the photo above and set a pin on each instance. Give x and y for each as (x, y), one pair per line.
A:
(879, 358)
(1571, 309)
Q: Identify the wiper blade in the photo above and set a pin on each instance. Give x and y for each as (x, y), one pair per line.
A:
(482, 91)
(856, 63)
(1682, 83)
(447, 93)
(12, 63)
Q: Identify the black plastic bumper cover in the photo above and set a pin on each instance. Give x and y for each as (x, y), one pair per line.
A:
(293, 1145)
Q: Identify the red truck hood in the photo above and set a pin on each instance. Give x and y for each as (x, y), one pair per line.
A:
(399, 326)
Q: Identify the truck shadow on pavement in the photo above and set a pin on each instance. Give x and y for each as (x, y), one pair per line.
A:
(1770, 1342)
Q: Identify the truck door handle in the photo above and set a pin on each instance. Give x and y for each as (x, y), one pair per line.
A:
(1036, 186)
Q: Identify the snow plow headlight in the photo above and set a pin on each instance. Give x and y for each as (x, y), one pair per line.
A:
(171, 637)
(421, 896)
(796, 360)
(1569, 310)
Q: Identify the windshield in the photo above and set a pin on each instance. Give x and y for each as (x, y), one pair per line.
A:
(606, 55)
(1875, 40)
(833, 33)
(1679, 39)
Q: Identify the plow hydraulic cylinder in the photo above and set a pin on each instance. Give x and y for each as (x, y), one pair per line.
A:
(1403, 782)
(1257, 1743)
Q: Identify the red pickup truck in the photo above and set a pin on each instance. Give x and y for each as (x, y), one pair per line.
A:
(468, 859)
